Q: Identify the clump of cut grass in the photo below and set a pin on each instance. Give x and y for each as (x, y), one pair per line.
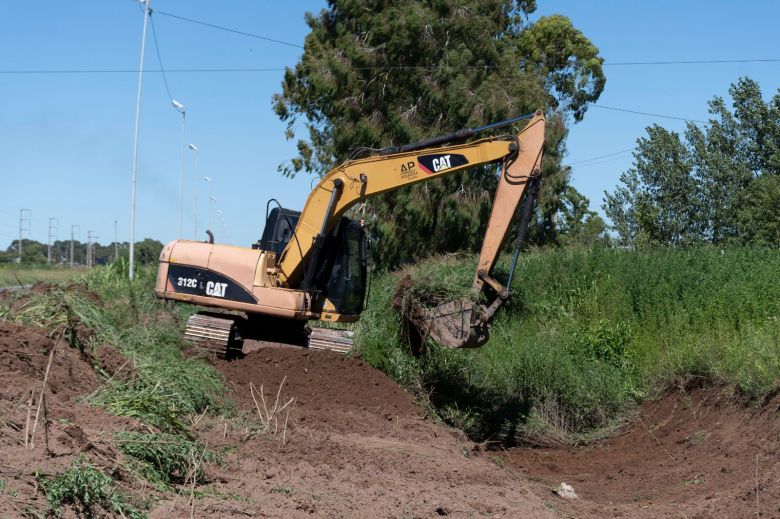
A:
(88, 490)
(587, 334)
(166, 459)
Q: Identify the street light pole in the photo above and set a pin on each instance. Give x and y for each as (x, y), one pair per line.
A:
(181, 109)
(208, 179)
(211, 208)
(195, 202)
(147, 13)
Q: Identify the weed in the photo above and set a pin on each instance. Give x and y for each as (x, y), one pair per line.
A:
(87, 489)
(270, 416)
(165, 459)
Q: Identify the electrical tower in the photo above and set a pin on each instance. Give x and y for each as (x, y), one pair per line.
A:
(116, 244)
(54, 228)
(74, 230)
(25, 219)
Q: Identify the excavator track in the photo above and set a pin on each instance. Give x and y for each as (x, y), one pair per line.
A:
(330, 339)
(213, 334)
(222, 335)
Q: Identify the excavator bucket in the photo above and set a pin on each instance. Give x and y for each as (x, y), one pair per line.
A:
(456, 325)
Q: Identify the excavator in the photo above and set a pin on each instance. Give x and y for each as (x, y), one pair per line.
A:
(312, 265)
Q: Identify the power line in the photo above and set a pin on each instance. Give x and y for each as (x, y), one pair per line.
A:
(689, 62)
(228, 29)
(387, 67)
(601, 156)
(647, 113)
(599, 162)
(159, 59)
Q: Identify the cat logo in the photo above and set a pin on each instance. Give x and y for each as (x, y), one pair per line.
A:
(216, 289)
(441, 163)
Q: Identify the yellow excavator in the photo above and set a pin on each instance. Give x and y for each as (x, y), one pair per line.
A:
(311, 265)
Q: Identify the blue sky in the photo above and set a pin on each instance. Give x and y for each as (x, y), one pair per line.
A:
(66, 140)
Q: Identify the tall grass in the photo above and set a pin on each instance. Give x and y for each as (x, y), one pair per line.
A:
(588, 334)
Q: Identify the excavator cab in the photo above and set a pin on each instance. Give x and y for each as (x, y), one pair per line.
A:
(341, 277)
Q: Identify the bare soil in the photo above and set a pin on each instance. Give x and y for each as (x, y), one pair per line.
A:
(695, 453)
(66, 425)
(357, 445)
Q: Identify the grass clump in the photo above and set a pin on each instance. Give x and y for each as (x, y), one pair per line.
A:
(166, 459)
(88, 490)
(589, 333)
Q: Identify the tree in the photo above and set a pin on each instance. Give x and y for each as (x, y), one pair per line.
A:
(659, 200)
(717, 186)
(578, 224)
(380, 73)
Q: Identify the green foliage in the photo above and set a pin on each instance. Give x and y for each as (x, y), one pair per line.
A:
(167, 384)
(35, 253)
(88, 490)
(166, 459)
(587, 334)
(388, 73)
(718, 185)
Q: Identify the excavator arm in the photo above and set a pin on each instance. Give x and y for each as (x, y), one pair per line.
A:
(354, 181)
(459, 323)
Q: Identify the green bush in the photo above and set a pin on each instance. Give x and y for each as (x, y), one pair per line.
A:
(88, 490)
(587, 334)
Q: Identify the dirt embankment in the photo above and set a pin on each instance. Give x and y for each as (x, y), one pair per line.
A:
(696, 453)
(65, 426)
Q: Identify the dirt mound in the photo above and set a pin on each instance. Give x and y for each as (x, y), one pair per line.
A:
(66, 426)
(357, 446)
(24, 355)
(690, 454)
(329, 388)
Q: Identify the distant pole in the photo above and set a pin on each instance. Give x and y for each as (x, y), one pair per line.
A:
(181, 109)
(211, 208)
(22, 229)
(147, 12)
(53, 229)
(211, 198)
(73, 230)
(116, 243)
(195, 202)
(91, 237)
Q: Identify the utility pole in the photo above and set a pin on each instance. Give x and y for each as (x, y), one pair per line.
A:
(54, 225)
(147, 13)
(25, 216)
(74, 229)
(116, 244)
(91, 237)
